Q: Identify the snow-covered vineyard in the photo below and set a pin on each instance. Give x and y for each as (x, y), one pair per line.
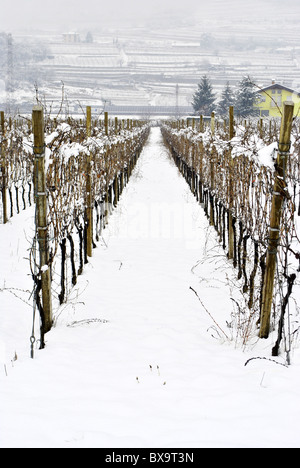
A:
(155, 324)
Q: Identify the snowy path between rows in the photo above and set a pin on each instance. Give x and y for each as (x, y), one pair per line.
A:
(132, 361)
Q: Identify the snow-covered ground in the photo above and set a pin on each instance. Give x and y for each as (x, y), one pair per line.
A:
(135, 359)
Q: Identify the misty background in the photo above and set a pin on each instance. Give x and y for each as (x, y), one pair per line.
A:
(129, 53)
(70, 14)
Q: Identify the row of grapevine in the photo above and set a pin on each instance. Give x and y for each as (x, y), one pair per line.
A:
(85, 164)
(103, 162)
(16, 174)
(17, 158)
(232, 172)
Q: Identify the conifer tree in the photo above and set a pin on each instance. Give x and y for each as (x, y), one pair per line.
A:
(227, 100)
(204, 98)
(245, 98)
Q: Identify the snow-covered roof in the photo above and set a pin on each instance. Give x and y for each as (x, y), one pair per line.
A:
(277, 86)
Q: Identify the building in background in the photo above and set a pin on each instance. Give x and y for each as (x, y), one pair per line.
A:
(71, 38)
(271, 98)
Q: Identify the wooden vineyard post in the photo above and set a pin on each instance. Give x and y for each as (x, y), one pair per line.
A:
(41, 214)
(275, 218)
(88, 120)
(212, 171)
(200, 155)
(201, 124)
(3, 169)
(212, 184)
(89, 201)
(106, 122)
(212, 123)
(230, 226)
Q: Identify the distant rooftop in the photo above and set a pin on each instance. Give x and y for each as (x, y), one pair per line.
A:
(278, 86)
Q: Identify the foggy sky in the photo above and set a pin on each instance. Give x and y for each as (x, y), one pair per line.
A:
(70, 14)
(73, 14)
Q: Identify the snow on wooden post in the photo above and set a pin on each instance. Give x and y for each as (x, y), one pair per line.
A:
(41, 214)
(230, 225)
(3, 169)
(89, 201)
(279, 195)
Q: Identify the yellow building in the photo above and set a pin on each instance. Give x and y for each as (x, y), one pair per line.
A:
(270, 100)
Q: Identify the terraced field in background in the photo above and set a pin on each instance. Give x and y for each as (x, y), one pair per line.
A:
(142, 67)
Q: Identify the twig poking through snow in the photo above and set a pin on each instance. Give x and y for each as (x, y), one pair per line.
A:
(209, 313)
(266, 359)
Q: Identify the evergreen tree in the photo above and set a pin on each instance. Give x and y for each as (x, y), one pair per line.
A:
(89, 37)
(204, 98)
(245, 98)
(227, 100)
